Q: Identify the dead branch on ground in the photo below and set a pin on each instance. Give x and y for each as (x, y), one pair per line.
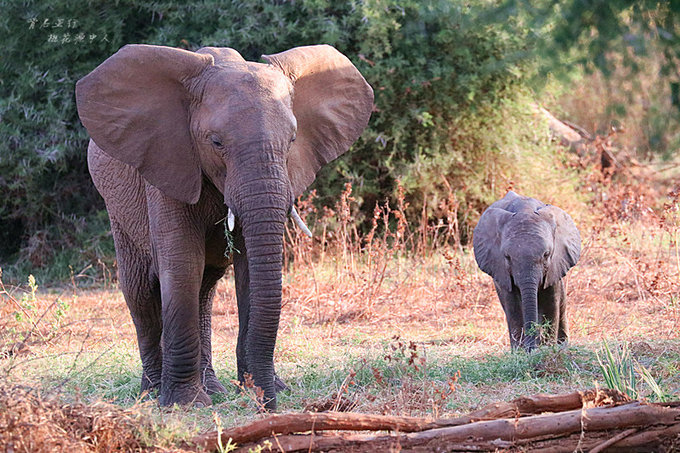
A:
(593, 419)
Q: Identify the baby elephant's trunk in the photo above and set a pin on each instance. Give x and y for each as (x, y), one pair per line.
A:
(530, 333)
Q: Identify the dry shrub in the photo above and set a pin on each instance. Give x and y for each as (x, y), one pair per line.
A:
(630, 263)
(401, 273)
(343, 276)
(342, 400)
(640, 102)
(400, 385)
(406, 364)
(30, 422)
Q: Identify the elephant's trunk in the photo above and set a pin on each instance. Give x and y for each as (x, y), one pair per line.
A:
(529, 293)
(262, 208)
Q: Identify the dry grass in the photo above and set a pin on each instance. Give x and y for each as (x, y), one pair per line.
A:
(625, 285)
(379, 323)
(33, 423)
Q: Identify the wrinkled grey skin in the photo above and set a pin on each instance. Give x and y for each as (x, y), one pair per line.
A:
(180, 137)
(527, 247)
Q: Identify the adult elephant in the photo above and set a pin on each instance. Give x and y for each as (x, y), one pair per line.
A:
(183, 140)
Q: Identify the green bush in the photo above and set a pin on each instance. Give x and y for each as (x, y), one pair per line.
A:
(441, 71)
(47, 196)
(621, 58)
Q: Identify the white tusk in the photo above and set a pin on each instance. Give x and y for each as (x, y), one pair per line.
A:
(230, 220)
(299, 222)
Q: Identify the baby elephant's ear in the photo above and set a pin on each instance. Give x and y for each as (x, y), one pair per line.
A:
(567, 245)
(486, 241)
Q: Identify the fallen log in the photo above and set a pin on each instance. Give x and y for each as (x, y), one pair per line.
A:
(648, 437)
(612, 441)
(569, 135)
(282, 424)
(369, 443)
(538, 404)
(324, 421)
(633, 414)
(554, 431)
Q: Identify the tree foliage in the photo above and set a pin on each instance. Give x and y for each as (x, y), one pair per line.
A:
(634, 44)
(450, 79)
(43, 176)
(430, 63)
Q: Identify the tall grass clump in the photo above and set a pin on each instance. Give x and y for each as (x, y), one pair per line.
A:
(622, 372)
(618, 370)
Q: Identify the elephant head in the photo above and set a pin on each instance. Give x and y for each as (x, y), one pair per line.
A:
(258, 131)
(526, 245)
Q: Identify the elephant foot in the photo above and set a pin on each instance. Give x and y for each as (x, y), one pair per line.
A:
(279, 385)
(530, 343)
(185, 395)
(150, 384)
(210, 382)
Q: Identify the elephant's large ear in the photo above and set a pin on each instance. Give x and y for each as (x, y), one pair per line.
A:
(332, 104)
(486, 240)
(567, 248)
(135, 107)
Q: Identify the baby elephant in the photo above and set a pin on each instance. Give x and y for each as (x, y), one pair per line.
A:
(527, 247)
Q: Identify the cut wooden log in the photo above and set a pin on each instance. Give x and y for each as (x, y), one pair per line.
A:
(492, 435)
(538, 404)
(369, 443)
(297, 423)
(595, 419)
(650, 436)
(283, 424)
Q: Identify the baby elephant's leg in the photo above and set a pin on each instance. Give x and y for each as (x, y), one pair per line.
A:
(512, 306)
(563, 331)
(551, 308)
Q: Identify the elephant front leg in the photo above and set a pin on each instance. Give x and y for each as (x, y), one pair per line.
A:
(563, 328)
(181, 377)
(178, 249)
(549, 311)
(512, 306)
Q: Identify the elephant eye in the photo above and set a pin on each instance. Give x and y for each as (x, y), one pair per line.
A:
(546, 254)
(294, 137)
(216, 141)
